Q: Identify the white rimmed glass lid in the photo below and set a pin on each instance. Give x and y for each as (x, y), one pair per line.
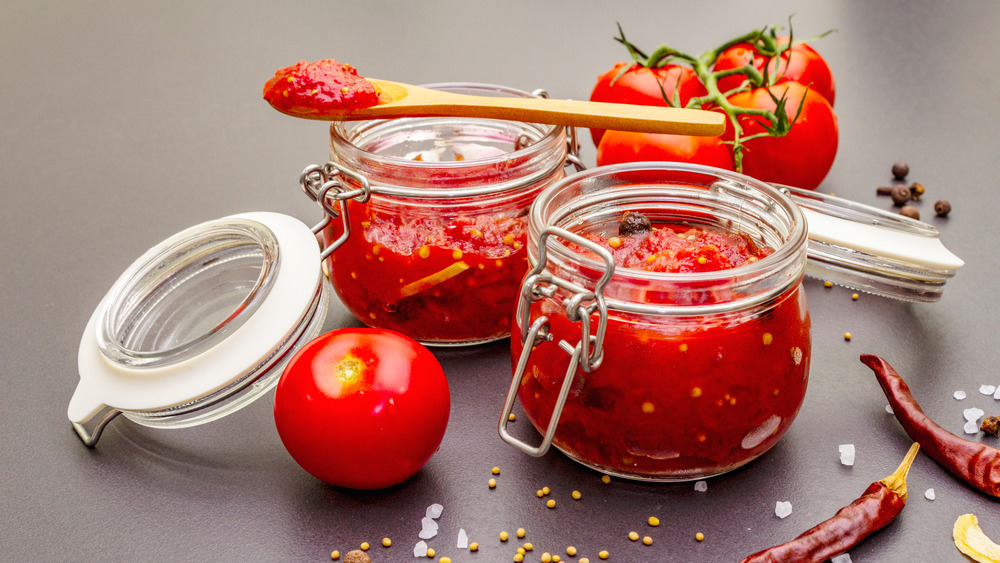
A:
(200, 325)
(875, 251)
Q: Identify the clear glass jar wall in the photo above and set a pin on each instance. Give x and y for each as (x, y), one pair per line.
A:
(701, 372)
(438, 250)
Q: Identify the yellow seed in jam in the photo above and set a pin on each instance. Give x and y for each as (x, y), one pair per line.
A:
(476, 233)
(424, 251)
(702, 437)
(650, 258)
(508, 240)
(345, 89)
(291, 80)
(506, 252)
(285, 93)
(767, 338)
(732, 401)
(314, 92)
(375, 250)
(481, 266)
(516, 245)
(702, 260)
(682, 347)
(372, 315)
(366, 224)
(354, 275)
(457, 254)
(696, 392)
(615, 242)
(648, 407)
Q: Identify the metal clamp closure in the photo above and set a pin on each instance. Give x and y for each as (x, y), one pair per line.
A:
(587, 354)
(318, 181)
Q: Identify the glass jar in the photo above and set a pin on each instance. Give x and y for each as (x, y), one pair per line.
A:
(652, 375)
(434, 244)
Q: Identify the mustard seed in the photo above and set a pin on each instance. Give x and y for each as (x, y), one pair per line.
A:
(699, 536)
(571, 551)
(654, 521)
(386, 542)
(520, 532)
(634, 536)
(646, 540)
(364, 546)
(576, 495)
(551, 503)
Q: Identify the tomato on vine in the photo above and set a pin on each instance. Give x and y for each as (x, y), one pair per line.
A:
(802, 156)
(796, 63)
(362, 408)
(646, 86)
(629, 146)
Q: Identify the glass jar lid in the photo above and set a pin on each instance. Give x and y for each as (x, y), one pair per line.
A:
(871, 250)
(200, 324)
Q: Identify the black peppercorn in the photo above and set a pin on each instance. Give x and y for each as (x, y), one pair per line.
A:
(900, 170)
(910, 211)
(916, 190)
(942, 208)
(634, 223)
(900, 195)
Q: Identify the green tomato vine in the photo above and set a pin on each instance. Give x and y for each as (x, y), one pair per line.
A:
(765, 41)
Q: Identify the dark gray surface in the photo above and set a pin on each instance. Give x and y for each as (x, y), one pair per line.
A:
(123, 123)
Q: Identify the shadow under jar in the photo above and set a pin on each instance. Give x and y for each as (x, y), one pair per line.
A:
(438, 249)
(661, 375)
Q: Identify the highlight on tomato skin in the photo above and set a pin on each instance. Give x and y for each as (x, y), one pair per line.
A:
(362, 408)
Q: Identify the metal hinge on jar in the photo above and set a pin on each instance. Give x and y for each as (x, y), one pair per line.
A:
(572, 139)
(587, 354)
(318, 181)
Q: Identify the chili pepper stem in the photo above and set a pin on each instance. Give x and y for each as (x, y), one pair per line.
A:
(897, 481)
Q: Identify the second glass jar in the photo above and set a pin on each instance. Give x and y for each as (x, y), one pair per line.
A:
(437, 247)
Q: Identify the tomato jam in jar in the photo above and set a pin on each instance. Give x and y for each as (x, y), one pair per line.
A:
(436, 246)
(663, 332)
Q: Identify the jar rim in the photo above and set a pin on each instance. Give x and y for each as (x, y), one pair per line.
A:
(789, 256)
(344, 134)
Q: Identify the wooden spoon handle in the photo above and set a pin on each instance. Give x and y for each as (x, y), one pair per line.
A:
(404, 100)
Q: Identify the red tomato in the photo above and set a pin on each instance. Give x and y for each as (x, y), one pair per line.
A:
(803, 157)
(641, 86)
(362, 408)
(628, 146)
(801, 63)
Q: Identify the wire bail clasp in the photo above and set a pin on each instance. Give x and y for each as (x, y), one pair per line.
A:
(318, 181)
(587, 354)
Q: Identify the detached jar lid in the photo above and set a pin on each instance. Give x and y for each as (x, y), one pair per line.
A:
(200, 325)
(872, 250)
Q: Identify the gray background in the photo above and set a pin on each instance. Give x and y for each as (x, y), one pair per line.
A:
(124, 122)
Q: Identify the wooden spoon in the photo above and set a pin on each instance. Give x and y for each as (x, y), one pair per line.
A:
(404, 100)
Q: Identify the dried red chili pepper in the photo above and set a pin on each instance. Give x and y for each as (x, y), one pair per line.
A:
(881, 502)
(977, 464)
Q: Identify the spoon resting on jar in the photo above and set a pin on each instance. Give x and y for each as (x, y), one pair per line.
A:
(327, 90)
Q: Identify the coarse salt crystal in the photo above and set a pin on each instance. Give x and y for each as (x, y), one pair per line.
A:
(929, 494)
(997, 394)
(847, 454)
(434, 511)
(973, 414)
(463, 539)
(971, 427)
(420, 550)
(701, 486)
(959, 395)
(987, 389)
(842, 558)
(888, 409)
(782, 508)
(428, 528)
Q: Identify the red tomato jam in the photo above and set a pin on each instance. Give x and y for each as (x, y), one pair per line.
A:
(319, 86)
(676, 397)
(434, 278)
